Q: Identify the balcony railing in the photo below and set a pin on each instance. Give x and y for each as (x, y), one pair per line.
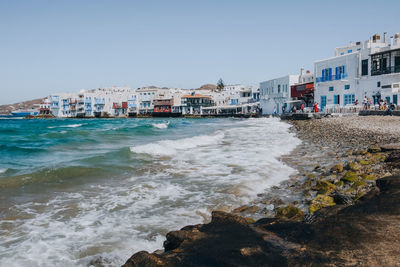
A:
(338, 76)
(385, 70)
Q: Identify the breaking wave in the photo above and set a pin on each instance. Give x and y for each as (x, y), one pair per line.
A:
(171, 147)
(161, 125)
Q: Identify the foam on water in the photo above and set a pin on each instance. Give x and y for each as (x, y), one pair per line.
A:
(222, 169)
(171, 147)
(161, 125)
(66, 126)
(3, 170)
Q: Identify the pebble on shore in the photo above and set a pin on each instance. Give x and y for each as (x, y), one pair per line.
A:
(339, 160)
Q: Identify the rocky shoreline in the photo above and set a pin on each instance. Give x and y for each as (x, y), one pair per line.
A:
(334, 211)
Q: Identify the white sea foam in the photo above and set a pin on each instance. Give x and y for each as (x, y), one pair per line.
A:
(161, 125)
(171, 147)
(219, 170)
(66, 126)
(3, 170)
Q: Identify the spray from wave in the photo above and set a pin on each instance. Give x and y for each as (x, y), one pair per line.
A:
(66, 126)
(161, 125)
(171, 147)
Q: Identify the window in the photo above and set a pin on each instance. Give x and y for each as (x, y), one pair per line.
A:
(349, 51)
(279, 88)
(346, 86)
(327, 74)
(340, 72)
(331, 88)
(341, 54)
(364, 67)
(358, 49)
(349, 99)
(378, 84)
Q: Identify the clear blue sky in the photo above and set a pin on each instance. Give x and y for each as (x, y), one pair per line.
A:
(56, 46)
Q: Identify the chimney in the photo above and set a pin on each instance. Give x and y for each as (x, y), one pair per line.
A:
(391, 40)
(301, 71)
(384, 37)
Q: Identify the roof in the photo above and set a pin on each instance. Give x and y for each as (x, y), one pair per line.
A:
(196, 96)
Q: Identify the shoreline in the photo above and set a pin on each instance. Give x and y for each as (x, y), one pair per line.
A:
(335, 170)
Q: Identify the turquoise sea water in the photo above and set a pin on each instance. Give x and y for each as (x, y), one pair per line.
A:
(72, 190)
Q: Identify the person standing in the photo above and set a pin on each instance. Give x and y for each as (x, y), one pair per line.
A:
(315, 107)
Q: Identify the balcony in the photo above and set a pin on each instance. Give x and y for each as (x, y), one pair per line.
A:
(386, 70)
(99, 102)
(336, 77)
(162, 102)
(277, 95)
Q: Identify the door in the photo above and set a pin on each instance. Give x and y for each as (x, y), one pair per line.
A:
(336, 99)
(388, 99)
(323, 102)
(395, 99)
(397, 64)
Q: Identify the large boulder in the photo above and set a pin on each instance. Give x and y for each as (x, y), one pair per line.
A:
(365, 233)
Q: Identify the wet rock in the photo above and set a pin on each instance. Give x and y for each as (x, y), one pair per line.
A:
(290, 212)
(240, 209)
(324, 187)
(364, 162)
(338, 168)
(394, 159)
(175, 238)
(250, 220)
(100, 262)
(369, 177)
(361, 152)
(245, 208)
(342, 199)
(353, 166)
(320, 201)
(339, 183)
(374, 149)
(391, 147)
(350, 176)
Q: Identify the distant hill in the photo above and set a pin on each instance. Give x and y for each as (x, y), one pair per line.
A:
(209, 86)
(21, 105)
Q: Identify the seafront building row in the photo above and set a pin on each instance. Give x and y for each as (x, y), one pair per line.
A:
(356, 73)
(145, 101)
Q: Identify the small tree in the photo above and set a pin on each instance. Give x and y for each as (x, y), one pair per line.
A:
(220, 85)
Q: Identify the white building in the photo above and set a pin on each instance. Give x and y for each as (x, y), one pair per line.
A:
(370, 69)
(111, 101)
(145, 97)
(275, 93)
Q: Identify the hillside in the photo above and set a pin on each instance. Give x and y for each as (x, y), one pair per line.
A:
(21, 105)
